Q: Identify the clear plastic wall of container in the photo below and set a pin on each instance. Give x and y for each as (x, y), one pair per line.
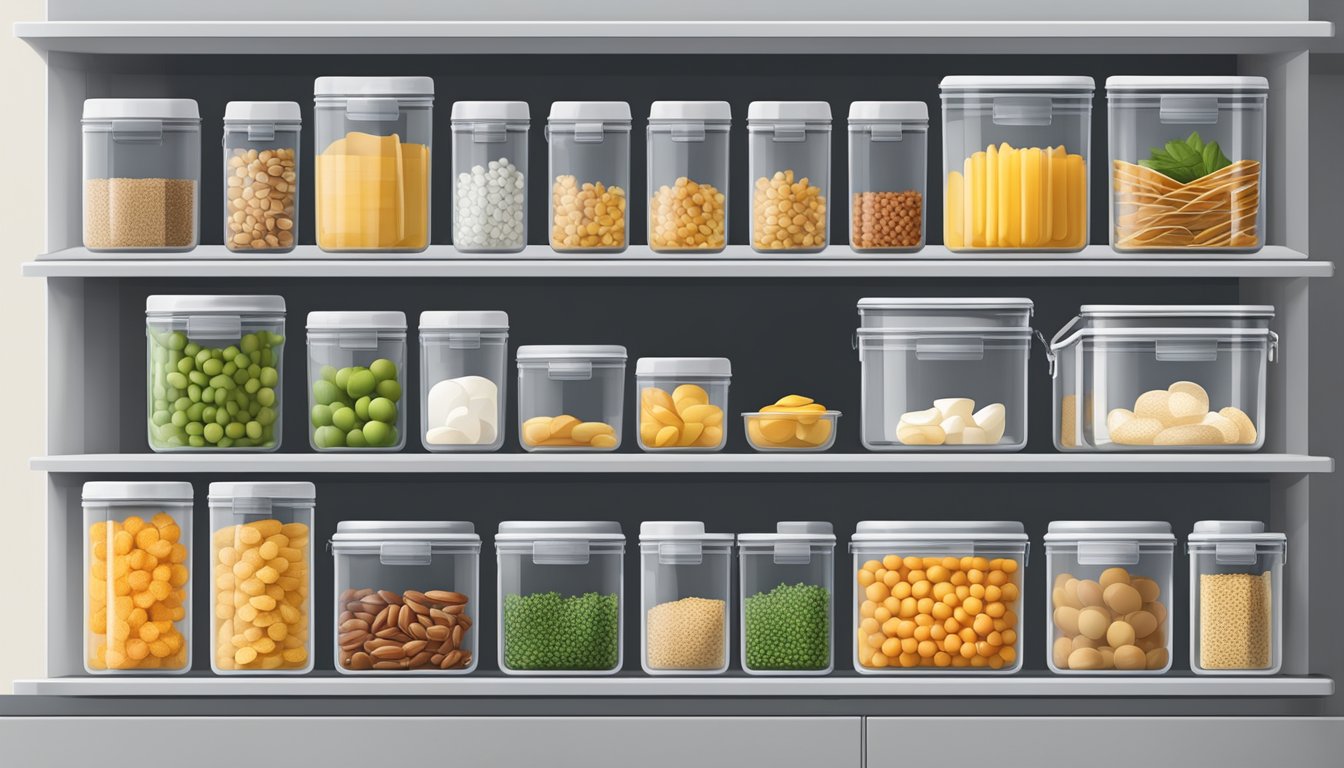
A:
(1111, 598)
(373, 140)
(1186, 163)
(944, 374)
(688, 175)
(589, 175)
(682, 402)
(261, 557)
(463, 385)
(560, 597)
(419, 582)
(261, 175)
(938, 596)
(1015, 154)
(356, 374)
(787, 594)
(1236, 598)
(214, 365)
(142, 174)
(570, 397)
(888, 175)
(138, 623)
(490, 176)
(686, 578)
(789, 159)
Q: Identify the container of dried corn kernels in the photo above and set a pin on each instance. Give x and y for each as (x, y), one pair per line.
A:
(589, 175)
(686, 582)
(1236, 598)
(688, 175)
(789, 159)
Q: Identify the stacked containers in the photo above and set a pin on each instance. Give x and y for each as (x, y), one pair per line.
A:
(261, 175)
(463, 363)
(490, 176)
(687, 582)
(944, 374)
(1236, 598)
(787, 619)
(688, 175)
(560, 597)
(590, 174)
(1186, 163)
(1015, 155)
(356, 363)
(570, 397)
(888, 173)
(789, 160)
(682, 402)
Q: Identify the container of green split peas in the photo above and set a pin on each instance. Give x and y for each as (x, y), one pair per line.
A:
(356, 370)
(214, 372)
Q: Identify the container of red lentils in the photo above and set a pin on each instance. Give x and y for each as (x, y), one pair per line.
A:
(888, 174)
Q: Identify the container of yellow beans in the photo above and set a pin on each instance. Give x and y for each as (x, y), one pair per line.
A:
(938, 596)
(688, 175)
(792, 423)
(590, 175)
(790, 166)
(570, 397)
(138, 600)
(262, 566)
(682, 401)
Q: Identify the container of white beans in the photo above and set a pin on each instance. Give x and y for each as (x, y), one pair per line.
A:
(490, 176)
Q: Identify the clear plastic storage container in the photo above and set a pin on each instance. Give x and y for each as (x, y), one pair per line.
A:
(682, 402)
(560, 597)
(1162, 378)
(589, 175)
(687, 583)
(490, 176)
(406, 597)
(142, 174)
(357, 370)
(938, 596)
(137, 605)
(787, 594)
(261, 175)
(888, 175)
(570, 397)
(373, 141)
(789, 160)
(1186, 157)
(1110, 600)
(261, 560)
(1015, 153)
(688, 176)
(463, 389)
(944, 374)
(1236, 598)
(214, 372)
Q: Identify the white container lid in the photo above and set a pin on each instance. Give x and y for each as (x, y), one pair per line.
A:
(1177, 310)
(137, 491)
(1014, 83)
(262, 112)
(702, 111)
(356, 321)
(1234, 530)
(1109, 530)
(380, 530)
(698, 367)
(141, 109)
(529, 530)
(544, 352)
(678, 530)
(1206, 84)
(505, 111)
(888, 111)
(373, 86)
(950, 305)
(808, 111)
(814, 532)
(939, 530)
(465, 320)
(293, 491)
(590, 111)
(163, 304)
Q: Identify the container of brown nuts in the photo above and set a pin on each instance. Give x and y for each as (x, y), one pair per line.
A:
(261, 176)
(888, 173)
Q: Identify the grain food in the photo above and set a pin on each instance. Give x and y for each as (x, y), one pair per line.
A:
(260, 189)
(213, 397)
(139, 213)
(686, 634)
(682, 419)
(787, 214)
(261, 573)
(587, 217)
(356, 407)
(565, 431)
(1179, 416)
(953, 421)
(138, 575)
(1068, 421)
(373, 194)
(687, 216)
(384, 630)
(1235, 615)
(1114, 622)
(788, 628)
(792, 421)
(887, 220)
(550, 631)
(1007, 197)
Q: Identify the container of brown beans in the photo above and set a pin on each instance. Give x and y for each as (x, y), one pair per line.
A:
(261, 175)
(888, 161)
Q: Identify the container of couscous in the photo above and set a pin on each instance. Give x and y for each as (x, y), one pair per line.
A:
(1236, 598)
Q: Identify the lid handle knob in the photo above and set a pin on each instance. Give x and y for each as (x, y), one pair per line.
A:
(1108, 552)
(489, 133)
(1022, 110)
(569, 370)
(372, 109)
(888, 132)
(680, 553)
(560, 553)
(589, 133)
(1235, 553)
(464, 340)
(214, 326)
(357, 340)
(404, 553)
(1189, 110)
(688, 133)
(793, 553)
(137, 131)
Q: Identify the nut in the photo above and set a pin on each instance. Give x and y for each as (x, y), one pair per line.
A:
(412, 630)
(259, 200)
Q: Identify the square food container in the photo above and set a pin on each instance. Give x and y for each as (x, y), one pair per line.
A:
(356, 366)
(261, 176)
(787, 594)
(938, 596)
(490, 176)
(682, 402)
(1176, 378)
(570, 397)
(464, 358)
(789, 160)
(686, 582)
(1236, 598)
(590, 176)
(888, 175)
(688, 176)
(944, 374)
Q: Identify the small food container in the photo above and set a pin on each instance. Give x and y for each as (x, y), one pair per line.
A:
(1015, 155)
(686, 575)
(490, 176)
(590, 175)
(1175, 378)
(944, 374)
(1110, 599)
(888, 175)
(142, 174)
(372, 143)
(214, 372)
(938, 596)
(139, 622)
(560, 596)
(414, 584)
(262, 561)
(771, 431)
(1236, 598)
(356, 366)
(789, 160)
(570, 397)
(688, 176)
(1186, 163)
(682, 402)
(463, 364)
(788, 614)
(261, 176)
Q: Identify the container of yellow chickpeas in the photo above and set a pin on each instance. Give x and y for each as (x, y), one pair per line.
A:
(938, 596)
(688, 175)
(682, 401)
(590, 176)
(789, 159)
(262, 566)
(138, 599)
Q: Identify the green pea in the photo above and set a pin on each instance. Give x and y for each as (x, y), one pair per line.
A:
(194, 428)
(159, 392)
(196, 441)
(230, 352)
(212, 367)
(321, 415)
(355, 439)
(244, 442)
(266, 396)
(239, 396)
(196, 377)
(176, 380)
(235, 429)
(222, 416)
(252, 386)
(194, 393)
(173, 359)
(161, 417)
(376, 433)
(269, 377)
(383, 369)
(389, 389)
(181, 403)
(254, 371)
(343, 377)
(325, 392)
(229, 369)
(206, 412)
(225, 442)
(242, 361)
(360, 383)
(177, 341)
(276, 338)
(343, 419)
(327, 373)
(253, 408)
(186, 365)
(267, 358)
(249, 343)
(180, 418)
(168, 430)
(240, 376)
(191, 349)
(266, 416)
(172, 393)
(202, 357)
(328, 437)
(253, 429)
(213, 432)
(174, 441)
(382, 409)
(362, 407)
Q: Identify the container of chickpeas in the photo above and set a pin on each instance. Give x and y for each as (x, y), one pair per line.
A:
(1236, 598)
(261, 175)
(789, 159)
(262, 564)
(138, 600)
(590, 175)
(888, 173)
(686, 582)
(1110, 597)
(938, 596)
(688, 175)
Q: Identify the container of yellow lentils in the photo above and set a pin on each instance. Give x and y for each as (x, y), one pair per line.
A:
(789, 158)
(938, 596)
(138, 600)
(590, 175)
(1236, 598)
(262, 568)
(688, 175)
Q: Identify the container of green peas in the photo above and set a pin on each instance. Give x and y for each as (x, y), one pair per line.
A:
(356, 370)
(214, 372)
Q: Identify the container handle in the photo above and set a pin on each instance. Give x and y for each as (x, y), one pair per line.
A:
(243, 507)
(1189, 110)
(688, 133)
(464, 340)
(214, 326)
(790, 132)
(589, 133)
(261, 132)
(857, 344)
(1234, 553)
(1273, 346)
(1185, 350)
(569, 371)
(357, 340)
(950, 349)
(1022, 110)
(1108, 552)
(372, 109)
(680, 553)
(559, 553)
(1051, 359)
(793, 553)
(404, 553)
(888, 132)
(489, 133)
(137, 131)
